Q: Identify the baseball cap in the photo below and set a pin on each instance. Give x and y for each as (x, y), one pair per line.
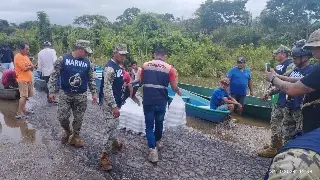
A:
(47, 43)
(121, 48)
(241, 60)
(282, 49)
(84, 44)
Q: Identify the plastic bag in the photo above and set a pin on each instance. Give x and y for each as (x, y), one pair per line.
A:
(132, 117)
(176, 115)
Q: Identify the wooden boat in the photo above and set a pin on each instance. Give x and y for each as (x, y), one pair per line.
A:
(254, 106)
(199, 107)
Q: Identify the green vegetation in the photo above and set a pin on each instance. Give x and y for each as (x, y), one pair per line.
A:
(204, 47)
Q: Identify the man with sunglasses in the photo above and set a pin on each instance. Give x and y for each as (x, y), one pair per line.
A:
(77, 73)
(277, 114)
(240, 79)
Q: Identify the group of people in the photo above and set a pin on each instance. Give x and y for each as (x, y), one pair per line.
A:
(294, 116)
(238, 80)
(77, 74)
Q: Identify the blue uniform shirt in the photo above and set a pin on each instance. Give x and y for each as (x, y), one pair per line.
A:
(239, 80)
(295, 102)
(74, 74)
(281, 69)
(216, 98)
(116, 86)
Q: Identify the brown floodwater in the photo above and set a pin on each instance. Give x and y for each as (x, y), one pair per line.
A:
(17, 130)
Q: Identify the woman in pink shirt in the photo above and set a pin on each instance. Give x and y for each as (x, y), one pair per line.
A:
(127, 87)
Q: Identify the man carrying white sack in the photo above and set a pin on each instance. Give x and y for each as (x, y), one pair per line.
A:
(155, 77)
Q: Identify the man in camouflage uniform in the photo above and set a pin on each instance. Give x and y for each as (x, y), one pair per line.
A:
(111, 87)
(298, 159)
(284, 67)
(77, 73)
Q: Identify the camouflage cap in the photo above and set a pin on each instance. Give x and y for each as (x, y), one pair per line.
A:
(121, 48)
(282, 49)
(84, 44)
(314, 39)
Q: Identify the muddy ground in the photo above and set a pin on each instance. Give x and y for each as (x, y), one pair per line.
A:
(192, 152)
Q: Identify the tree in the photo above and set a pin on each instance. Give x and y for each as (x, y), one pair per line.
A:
(289, 20)
(44, 30)
(91, 20)
(27, 25)
(3, 24)
(128, 16)
(214, 14)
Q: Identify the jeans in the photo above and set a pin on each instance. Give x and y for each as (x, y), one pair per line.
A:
(7, 65)
(154, 117)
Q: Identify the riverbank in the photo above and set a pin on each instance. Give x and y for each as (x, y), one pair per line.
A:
(188, 153)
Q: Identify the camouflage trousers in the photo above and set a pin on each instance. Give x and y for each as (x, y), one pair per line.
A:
(75, 103)
(277, 116)
(292, 123)
(111, 129)
(295, 164)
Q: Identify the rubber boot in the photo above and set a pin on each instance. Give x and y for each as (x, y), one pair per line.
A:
(65, 137)
(104, 162)
(76, 141)
(116, 146)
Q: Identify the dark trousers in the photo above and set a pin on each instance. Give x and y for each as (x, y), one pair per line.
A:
(240, 98)
(46, 79)
(154, 117)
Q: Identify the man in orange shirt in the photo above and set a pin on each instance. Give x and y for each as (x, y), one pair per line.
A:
(23, 67)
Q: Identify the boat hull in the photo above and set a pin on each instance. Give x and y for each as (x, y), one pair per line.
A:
(199, 107)
(9, 94)
(254, 106)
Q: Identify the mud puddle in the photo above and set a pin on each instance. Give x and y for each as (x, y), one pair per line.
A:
(14, 129)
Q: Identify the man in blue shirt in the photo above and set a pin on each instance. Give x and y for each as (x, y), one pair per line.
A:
(221, 100)
(240, 78)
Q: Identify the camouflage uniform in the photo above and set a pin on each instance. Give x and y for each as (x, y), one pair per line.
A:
(276, 122)
(109, 104)
(292, 123)
(77, 103)
(295, 164)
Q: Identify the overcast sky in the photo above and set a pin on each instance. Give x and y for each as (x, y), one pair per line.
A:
(64, 11)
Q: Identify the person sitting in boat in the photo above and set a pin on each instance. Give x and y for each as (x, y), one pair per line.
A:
(9, 79)
(221, 100)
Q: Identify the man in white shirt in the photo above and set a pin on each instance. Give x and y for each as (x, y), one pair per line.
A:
(46, 59)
